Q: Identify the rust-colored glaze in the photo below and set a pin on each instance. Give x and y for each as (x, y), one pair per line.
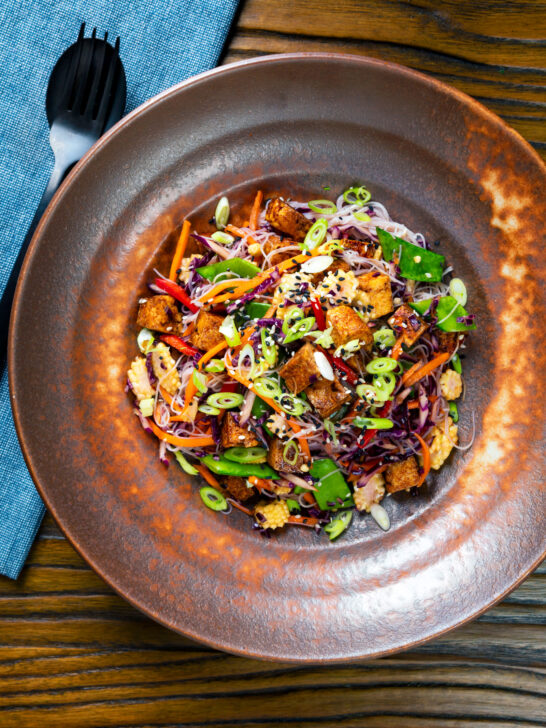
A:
(440, 162)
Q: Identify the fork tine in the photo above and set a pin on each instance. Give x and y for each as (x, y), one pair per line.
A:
(97, 79)
(84, 70)
(104, 105)
(71, 76)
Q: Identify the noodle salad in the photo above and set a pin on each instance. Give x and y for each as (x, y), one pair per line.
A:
(306, 363)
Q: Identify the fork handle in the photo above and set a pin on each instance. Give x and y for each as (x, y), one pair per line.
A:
(57, 176)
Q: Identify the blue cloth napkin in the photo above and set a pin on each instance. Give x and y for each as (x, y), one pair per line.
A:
(162, 43)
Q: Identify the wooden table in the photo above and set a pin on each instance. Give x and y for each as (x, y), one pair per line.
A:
(73, 654)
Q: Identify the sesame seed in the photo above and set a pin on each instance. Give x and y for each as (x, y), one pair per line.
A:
(417, 258)
(428, 275)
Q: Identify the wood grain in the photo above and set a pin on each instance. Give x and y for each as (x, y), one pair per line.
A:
(72, 653)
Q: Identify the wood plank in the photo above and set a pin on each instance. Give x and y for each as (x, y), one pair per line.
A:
(453, 30)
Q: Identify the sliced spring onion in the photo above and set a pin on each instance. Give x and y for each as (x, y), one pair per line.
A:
(384, 385)
(291, 404)
(145, 340)
(453, 412)
(323, 338)
(229, 331)
(381, 365)
(373, 423)
(456, 364)
(324, 366)
(317, 264)
(339, 524)
(331, 430)
(222, 238)
(292, 315)
(246, 454)
(380, 516)
(324, 207)
(291, 453)
(369, 393)
(293, 505)
(214, 366)
(267, 387)
(269, 348)
(357, 195)
(458, 290)
(221, 214)
(247, 353)
(208, 409)
(200, 381)
(362, 216)
(225, 400)
(299, 329)
(385, 338)
(212, 498)
(350, 347)
(315, 234)
(184, 464)
(146, 406)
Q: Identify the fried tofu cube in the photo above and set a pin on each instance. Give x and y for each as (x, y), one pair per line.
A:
(301, 370)
(406, 323)
(283, 217)
(338, 287)
(206, 334)
(234, 435)
(159, 313)
(347, 325)
(238, 488)
(275, 458)
(377, 294)
(327, 397)
(365, 248)
(402, 475)
(338, 265)
(447, 340)
(273, 243)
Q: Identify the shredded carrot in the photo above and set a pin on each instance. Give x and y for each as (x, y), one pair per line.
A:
(253, 220)
(208, 476)
(414, 404)
(197, 441)
(217, 290)
(210, 354)
(411, 371)
(189, 329)
(427, 368)
(303, 521)
(239, 233)
(180, 249)
(189, 394)
(426, 459)
(397, 348)
(168, 399)
(239, 507)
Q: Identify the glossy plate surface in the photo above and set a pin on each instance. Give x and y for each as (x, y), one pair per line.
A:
(441, 163)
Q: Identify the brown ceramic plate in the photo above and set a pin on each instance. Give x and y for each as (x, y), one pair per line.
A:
(440, 162)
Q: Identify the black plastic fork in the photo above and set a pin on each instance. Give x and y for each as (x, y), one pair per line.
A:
(85, 97)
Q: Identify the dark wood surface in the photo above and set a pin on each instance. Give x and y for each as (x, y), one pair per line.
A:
(74, 654)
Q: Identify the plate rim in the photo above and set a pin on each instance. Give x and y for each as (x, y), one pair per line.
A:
(140, 110)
